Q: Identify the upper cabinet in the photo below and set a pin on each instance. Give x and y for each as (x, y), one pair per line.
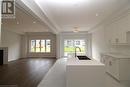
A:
(117, 31)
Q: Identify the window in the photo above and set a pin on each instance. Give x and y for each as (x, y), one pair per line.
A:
(43, 46)
(70, 42)
(38, 47)
(77, 42)
(48, 45)
(69, 47)
(32, 45)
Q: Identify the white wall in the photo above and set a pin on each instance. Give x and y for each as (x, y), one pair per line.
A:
(13, 42)
(0, 23)
(98, 42)
(58, 46)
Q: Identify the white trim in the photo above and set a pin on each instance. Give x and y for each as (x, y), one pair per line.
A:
(34, 8)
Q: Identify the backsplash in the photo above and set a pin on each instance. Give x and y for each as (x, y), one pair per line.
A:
(125, 49)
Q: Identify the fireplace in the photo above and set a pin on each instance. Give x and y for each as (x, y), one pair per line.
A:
(1, 57)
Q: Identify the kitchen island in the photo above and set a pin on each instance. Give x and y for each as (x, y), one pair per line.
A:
(85, 73)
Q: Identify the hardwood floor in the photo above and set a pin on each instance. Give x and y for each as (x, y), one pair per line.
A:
(25, 72)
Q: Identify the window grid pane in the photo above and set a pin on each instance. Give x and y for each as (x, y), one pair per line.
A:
(43, 46)
(38, 46)
(32, 45)
(48, 45)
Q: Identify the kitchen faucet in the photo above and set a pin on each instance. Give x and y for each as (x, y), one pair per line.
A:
(75, 51)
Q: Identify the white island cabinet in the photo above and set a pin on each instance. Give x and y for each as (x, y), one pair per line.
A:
(85, 73)
(117, 65)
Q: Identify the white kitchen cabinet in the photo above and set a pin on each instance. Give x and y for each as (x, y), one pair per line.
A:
(116, 31)
(128, 37)
(104, 60)
(119, 68)
(124, 66)
(110, 32)
(85, 73)
(112, 66)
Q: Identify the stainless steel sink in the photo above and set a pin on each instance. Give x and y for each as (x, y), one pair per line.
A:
(83, 58)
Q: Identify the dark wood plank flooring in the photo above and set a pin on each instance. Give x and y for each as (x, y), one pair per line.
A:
(25, 72)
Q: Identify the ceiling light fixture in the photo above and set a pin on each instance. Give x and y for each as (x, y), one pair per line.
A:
(76, 30)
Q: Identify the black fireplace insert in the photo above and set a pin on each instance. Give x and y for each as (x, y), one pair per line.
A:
(1, 57)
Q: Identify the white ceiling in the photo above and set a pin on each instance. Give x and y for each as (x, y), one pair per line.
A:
(85, 14)
(63, 15)
(24, 22)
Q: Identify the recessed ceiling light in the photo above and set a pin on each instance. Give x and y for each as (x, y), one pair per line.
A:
(34, 22)
(97, 14)
(17, 22)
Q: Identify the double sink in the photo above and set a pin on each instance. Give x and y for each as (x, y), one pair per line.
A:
(83, 58)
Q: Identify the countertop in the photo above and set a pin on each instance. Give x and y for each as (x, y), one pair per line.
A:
(77, 62)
